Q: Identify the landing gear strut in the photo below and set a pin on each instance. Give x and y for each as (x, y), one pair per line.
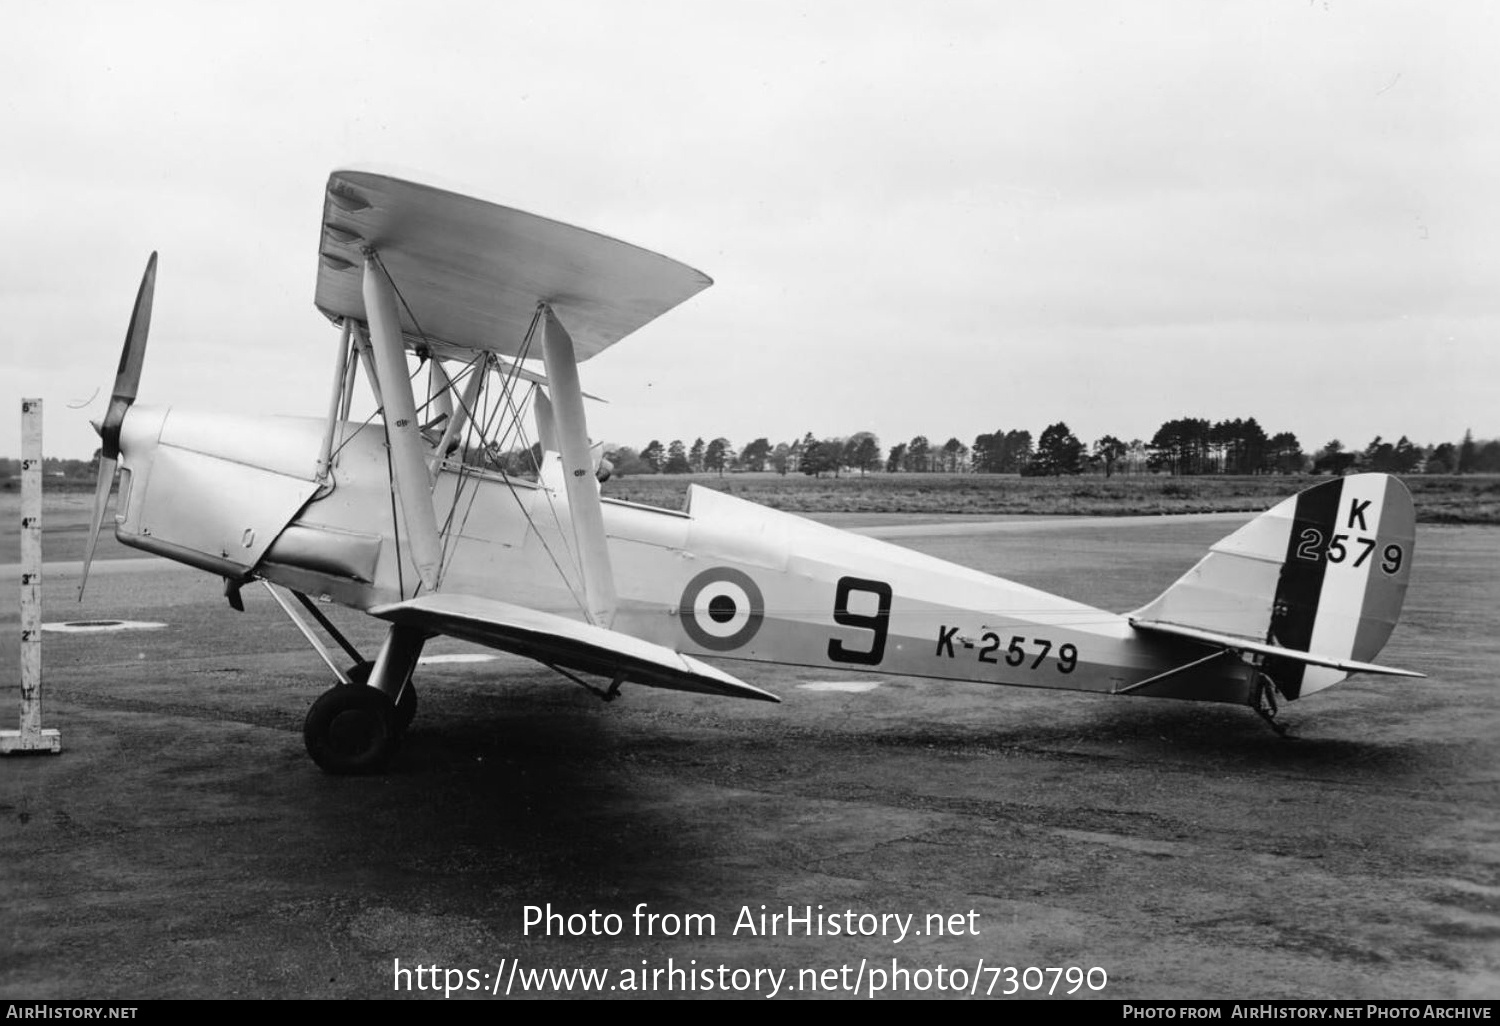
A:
(406, 701)
(357, 725)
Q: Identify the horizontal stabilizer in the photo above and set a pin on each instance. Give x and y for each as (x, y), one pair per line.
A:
(1230, 641)
(558, 641)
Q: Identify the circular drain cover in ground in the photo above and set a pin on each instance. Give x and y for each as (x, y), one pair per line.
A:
(101, 626)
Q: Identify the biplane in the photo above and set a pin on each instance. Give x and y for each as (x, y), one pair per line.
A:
(467, 321)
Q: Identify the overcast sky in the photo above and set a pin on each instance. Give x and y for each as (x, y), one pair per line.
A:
(921, 218)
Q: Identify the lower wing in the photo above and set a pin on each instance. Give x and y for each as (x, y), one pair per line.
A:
(559, 642)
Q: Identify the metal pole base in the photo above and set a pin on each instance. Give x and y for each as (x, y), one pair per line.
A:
(22, 742)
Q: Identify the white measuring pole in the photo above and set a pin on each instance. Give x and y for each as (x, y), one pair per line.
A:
(31, 737)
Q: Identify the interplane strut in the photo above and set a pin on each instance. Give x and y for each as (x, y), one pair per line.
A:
(408, 450)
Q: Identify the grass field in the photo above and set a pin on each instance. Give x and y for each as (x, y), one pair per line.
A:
(1439, 499)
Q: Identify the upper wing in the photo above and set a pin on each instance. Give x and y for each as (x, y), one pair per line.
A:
(471, 273)
(558, 641)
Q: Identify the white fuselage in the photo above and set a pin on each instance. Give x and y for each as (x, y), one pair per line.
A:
(242, 497)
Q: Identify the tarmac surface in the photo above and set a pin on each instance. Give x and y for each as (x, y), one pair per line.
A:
(183, 845)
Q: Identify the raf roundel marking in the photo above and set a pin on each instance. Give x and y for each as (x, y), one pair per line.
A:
(721, 609)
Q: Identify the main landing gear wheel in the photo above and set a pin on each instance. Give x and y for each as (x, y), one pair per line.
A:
(352, 729)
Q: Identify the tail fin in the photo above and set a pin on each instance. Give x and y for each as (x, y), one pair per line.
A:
(1323, 572)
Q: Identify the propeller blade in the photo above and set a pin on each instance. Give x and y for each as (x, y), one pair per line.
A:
(101, 499)
(127, 382)
(128, 377)
(132, 359)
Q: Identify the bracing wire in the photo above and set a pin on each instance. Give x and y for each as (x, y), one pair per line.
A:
(506, 406)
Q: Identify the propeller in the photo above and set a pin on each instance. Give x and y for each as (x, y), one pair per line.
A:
(127, 381)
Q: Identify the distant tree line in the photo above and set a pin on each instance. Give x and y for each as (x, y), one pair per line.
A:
(1186, 446)
(53, 470)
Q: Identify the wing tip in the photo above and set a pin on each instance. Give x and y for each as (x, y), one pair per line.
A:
(729, 684)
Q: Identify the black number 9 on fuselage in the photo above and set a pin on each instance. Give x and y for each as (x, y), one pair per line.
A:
(877, 623)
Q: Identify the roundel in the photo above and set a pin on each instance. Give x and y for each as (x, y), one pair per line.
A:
(721, 609)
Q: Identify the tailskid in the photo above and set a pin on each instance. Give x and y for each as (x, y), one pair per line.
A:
(1263, 701)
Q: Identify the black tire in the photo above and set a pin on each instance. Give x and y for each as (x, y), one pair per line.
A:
(351, 729)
